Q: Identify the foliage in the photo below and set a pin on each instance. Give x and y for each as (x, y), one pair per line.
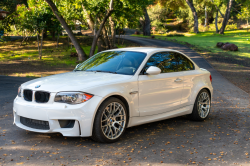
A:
(158, 15)
(10, 7)
(71, 10)
(126, 13)
(245, 13)
(37, 17)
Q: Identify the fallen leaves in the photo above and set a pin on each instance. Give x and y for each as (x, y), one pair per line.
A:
(20, 163)
(167, 143)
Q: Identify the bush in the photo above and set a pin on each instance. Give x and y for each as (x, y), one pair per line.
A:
(211, 27)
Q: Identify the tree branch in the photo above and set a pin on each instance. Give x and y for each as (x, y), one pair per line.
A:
(217, 9)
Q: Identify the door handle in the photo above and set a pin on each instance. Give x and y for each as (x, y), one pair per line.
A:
(134, 92)
(178, 80)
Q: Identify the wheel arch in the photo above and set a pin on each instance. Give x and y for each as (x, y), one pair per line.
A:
(208, 92)
(120, 97)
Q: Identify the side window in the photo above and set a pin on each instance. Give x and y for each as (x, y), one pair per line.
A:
(183, 63)
(169, 62)
(163, 60)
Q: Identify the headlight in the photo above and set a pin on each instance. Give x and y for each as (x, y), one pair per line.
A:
(72, 97)
(19, 92)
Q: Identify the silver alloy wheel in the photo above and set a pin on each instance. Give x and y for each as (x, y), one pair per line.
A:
(203, 104)
(113, 120)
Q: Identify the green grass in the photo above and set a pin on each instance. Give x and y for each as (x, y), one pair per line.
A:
(207, 41)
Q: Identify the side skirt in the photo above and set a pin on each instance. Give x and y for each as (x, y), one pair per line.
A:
(134, 121)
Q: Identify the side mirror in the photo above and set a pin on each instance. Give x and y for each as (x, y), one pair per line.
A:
(77, 65)
(152, 70)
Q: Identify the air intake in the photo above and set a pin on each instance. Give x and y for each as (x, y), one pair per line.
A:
(35, 124)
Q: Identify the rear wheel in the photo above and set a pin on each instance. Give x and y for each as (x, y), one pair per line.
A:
(201, 106)
(110, 121)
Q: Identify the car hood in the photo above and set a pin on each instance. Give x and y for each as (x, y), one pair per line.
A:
(74, 81)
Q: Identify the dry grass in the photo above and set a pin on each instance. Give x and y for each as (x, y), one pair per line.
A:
(23, 61)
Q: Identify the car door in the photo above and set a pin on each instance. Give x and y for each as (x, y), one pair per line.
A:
(187, 69)
(163, 92)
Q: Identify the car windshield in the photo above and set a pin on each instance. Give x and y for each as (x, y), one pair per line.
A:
(118, 62)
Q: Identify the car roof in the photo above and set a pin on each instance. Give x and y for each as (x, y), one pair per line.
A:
(142, 49)
(149, 50)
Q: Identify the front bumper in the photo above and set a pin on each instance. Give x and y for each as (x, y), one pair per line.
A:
(51, 112)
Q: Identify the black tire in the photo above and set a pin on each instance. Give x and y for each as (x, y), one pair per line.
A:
(196, 116)
(98, 133)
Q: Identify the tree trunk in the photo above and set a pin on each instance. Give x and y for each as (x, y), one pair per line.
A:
(100, 45)
(216, 22)
(113, 33)
(41, 49)
(196, 24)
(90, 20)
(80, 52)
(38, 45)
(226, 17)
(53, 34)
(57, 39)
(105, 37)
(45, 34)
(146, 24)
(108, 13)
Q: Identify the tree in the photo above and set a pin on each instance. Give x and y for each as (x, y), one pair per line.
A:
(245, 13)
(80, 51)
(30, 20)
(96, 36)
(146, 24)
(196, 23)
(226, 17)
(10, 6)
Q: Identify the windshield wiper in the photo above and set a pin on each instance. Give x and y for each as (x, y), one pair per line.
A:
(102, 71)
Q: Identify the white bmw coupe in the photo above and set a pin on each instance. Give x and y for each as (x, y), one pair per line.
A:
(113, 90)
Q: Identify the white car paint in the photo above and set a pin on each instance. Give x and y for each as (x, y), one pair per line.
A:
(161, 96)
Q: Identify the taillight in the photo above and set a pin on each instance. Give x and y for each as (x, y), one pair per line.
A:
(210, 78)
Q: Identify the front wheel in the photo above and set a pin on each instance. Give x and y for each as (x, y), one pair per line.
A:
(110, 121)
(201, 106)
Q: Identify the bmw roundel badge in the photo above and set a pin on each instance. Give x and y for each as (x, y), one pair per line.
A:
(38, 86)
